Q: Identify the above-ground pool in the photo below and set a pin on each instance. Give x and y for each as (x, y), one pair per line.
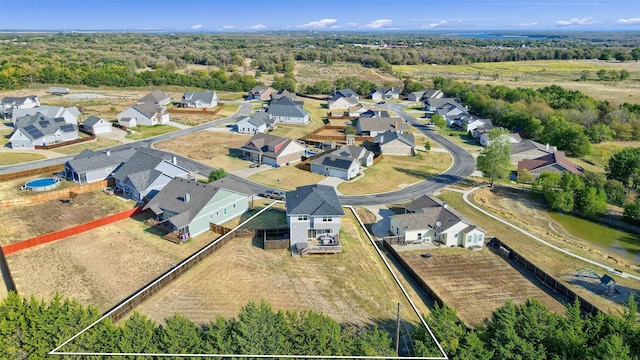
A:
(43, 184)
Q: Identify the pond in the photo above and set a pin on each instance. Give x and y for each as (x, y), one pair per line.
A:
(616, 241)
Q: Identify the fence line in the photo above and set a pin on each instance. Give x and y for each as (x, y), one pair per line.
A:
(55, 194)
(207, 111)
(65, 233)
(26, 173)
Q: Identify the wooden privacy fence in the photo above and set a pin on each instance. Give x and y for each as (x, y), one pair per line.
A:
(67, 143)
(548, 280)
(207, 111)
(62, 234)
(54, 194)
(26, 173)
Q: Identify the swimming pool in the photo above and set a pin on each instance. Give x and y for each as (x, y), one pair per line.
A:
(42, 184)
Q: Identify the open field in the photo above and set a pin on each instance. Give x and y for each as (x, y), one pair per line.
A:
(99, 267)
(317, 114)
(475, 283)
(205, 117)
(10, 158)
(309, 72)
(142, 132)
(396, 172)
(351, 287)
(551, 261)
(536, 74)
(208, 147)
(286, 177)
(99, 143)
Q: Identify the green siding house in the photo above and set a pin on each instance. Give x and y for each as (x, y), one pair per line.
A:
(187, 207)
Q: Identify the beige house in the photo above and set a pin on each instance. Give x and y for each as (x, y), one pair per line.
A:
(395, 143)
(272, 150)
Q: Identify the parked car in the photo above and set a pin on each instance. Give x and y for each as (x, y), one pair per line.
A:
(274, 194)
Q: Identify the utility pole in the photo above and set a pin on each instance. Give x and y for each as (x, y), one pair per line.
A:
(398, 331)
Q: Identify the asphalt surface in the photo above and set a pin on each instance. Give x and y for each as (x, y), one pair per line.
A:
(463, 162)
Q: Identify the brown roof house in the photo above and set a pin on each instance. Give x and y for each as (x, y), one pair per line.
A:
(554, 163)
(429, 220)
(529, 149)
(272, 150)
(261, 92)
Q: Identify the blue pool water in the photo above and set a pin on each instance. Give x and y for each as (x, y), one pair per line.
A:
(42, 184)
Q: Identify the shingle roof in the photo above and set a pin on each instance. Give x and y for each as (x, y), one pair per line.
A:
(154, 97)
(46, 110)
(330, 160)
(344, 93)
(423, 202)
(283, 94)
(264, 143)
(139, 169)
(286, 107)
(389, 136)
(382, 124)
(91, 121)
(315, 200)
(548, 160)
(17, 100)
(258, 119)
(149, 109)
(528, 144)
(375, 114)
(172, 199)
(206, 97)
(90, 160)
(37, 125)
(440, 218)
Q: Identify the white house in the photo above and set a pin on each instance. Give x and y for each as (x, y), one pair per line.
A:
(97, 125)
(40, 130)
(384, 93)
(199, 100)
(272, 150)
(344, 163)
(256, 123)
(70, 114)
(147, 114)
(287, 110)
(19, 102)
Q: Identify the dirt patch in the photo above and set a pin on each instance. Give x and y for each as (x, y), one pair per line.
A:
(475, 283)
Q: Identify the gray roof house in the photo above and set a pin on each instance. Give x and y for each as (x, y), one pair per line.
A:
(384, 93)
(156, 97)
(424, 94)
(19, 102)
(261, 92)
(40, 130)
(342, 99)
(144, 174)
(429, 220)
(314, 215)
(199, 100)
(70, 114)
(282, 93)
(375, 126)
(97, 125)
(346, 92)
(91, 166)
(147, 113)
(529, 149)
(259, 122)
(344, 163)
(272, 150)
(188, 207)
(395, 143)
(288, 111)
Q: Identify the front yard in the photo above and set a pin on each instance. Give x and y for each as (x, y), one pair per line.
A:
(142, 132)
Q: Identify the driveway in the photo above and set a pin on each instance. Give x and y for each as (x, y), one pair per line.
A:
(380, 228)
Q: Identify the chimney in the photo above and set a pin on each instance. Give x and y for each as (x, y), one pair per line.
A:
(444, 205)
(186, 197)
(108, 153)
(547, 146)
(174, 160)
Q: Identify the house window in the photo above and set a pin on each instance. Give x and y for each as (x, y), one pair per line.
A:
(469, 238)
(217, 213)
(224, 211)
(419, 236)
(480, 236)
(327, 219)
(303, 218)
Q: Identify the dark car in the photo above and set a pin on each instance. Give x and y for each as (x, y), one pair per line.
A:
(426, 256)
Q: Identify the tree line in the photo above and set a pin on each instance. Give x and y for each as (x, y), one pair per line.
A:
(30, 328)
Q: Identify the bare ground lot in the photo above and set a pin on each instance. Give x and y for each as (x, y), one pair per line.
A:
(475, 283)
(352, 287)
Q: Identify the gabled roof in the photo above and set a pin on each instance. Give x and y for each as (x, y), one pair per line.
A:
(382, 124)
(282, 94)
(442, 102)
(148, 109)
(352, 152)
(392, 90)
(423, 202)
(184, 198)
(371, 113)
(435, 214)
(359, 106)
(91, 121)
(140, 169)
(91, 160)
(286, 107)
(38, 125)
(313, 200)
(154, 97)
(556, 158)
(344, 93)
(258, 119)
(235, 186)
(350, 101)
(260, 89)
(46, 110)
(205, 97)
(18, 100)
(527, 145)
(389, 136)
(267, 144)
(336, 162)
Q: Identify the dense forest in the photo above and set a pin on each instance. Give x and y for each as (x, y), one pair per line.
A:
(30, 328)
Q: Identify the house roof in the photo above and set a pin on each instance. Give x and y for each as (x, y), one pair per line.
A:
(418, 94)
(260, 89)
(392, 90)
(140, 169)
(18, 100)
(351, 151)
(91, 121)
(286, 107)
(314, 200)
(148, 109)
(267, 144)
(556, 158)
(359, 106)
(423, 202)
(336, 162)
(371, 113)
(527, 145)
(345, 93)
(46, 110)
(382, 124)
(350, 101)
(436, 215)
(89, 160)
(389, 136)
(233, 185)
(38, 125)
(205, 97)
(432, 94)
(257, 119)
(154, 97)
(281, 94)
(173, 198)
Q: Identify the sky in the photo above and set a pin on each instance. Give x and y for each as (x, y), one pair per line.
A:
(321, 15)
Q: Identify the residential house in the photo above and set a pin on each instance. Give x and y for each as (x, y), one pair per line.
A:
(188, 207)
(427, 219)
(19, 102)
(147, 113)
(344, 163)
(144, 174)
(128, 122)
(314, 215)
(199, 100)
(97, 125)
(69, 114)
(40, 130)
(343, 99)
(374, 113)
(261, 93)
(156, 97)
(384, 93)
(272, 150)
(471, 122)
(395, 143)
(275, 96)
(555, 163)
(91, 166)
(259, 122)
(359, 109)
(419, 96)
(513, 138)
(375, 126)
(529, 149)
(446, 107)
(287, 110)
(345, 93)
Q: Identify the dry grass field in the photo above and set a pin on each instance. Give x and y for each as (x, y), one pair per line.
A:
(208, 147)
(396, 172)
(475, 283)
(204, 117)
(351, 287)
(522, 212)
(309, 72)
(286, 177)
(317, 115)
(99, 143)
(11, 158)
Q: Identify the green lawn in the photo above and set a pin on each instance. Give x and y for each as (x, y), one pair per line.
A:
(143, 132)
(99, 143)
(11, 158)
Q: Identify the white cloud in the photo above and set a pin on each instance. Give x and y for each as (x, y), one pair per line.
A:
(228, 27)
(320, 24)
(577, 21)
(525, 24)
(256, 27)
(439, 24)
(196, 27)
(630, 21)
(379, 24)
(352, 24)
